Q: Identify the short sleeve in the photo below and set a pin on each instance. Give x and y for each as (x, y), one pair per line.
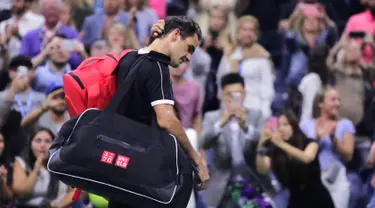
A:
(158, 85)
(21, 162)
(344, 126)
(304, 126)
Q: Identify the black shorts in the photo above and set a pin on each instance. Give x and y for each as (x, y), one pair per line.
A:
(180, 200)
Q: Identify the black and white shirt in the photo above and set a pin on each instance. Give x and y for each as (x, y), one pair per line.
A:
(152, 85)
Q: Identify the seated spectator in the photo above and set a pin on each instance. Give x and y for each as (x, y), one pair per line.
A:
(51, 115)
(228, 131)
(34, 43)
(335, 137)
(96, 25)
(33, 185)
(57, 63)
(253, 62)
(145, 18)
(316, 78)
(187, 98)
(294, 160)
(21, 22)
(19, 95)
(5, 190)
(119, 38)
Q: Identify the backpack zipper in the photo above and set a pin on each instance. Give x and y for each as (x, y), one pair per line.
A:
(125, 145)
(77, 80)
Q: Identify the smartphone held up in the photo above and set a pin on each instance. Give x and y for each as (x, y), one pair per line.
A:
(236, 98)
(68, 45)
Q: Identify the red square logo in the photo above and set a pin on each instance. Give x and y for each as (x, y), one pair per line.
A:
(122, 161)
(107, 157)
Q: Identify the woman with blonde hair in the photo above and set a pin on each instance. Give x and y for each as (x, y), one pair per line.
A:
(305, 29)
(119, 38)
(253, 62)
(335, 136)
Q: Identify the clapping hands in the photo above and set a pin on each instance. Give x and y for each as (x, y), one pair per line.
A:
(325, 128)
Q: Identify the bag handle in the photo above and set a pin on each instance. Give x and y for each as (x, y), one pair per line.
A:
(124, 86)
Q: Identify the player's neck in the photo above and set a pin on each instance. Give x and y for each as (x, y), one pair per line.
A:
(159, 46)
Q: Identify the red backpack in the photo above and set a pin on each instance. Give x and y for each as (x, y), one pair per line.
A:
(91, 85)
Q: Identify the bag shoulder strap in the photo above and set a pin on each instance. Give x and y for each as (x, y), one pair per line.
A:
(125, 86)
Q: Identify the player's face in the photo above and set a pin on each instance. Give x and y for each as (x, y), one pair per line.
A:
(183, 49)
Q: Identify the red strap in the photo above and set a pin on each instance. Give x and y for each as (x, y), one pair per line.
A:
(76, 194)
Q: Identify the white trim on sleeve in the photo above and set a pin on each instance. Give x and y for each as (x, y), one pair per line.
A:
(164, 101)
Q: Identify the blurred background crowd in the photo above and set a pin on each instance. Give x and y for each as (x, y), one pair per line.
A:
(305, 66)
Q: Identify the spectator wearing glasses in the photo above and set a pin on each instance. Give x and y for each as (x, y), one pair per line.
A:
(53, 113)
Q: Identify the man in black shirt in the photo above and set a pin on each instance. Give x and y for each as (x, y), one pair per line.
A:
(151, 95)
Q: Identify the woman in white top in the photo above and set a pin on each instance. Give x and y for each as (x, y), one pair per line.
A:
(33, 185)
(317, 78)
(253, 62)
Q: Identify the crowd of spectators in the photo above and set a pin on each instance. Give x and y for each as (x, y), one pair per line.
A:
(287, 71)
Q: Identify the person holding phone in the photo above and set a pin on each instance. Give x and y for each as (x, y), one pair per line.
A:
(19, 95)
(58, 52)
(227, 132)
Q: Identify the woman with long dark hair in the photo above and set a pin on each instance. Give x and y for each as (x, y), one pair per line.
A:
(293, 159)
(32, 184)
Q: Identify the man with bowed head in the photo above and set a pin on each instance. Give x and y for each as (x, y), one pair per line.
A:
(152, 97)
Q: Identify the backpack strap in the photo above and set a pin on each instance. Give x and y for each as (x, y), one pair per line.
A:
(124, 87)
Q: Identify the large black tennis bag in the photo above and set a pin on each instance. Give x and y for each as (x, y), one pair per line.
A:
(107, 154)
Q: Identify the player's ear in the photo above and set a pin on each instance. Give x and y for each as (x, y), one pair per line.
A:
(176, 34)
